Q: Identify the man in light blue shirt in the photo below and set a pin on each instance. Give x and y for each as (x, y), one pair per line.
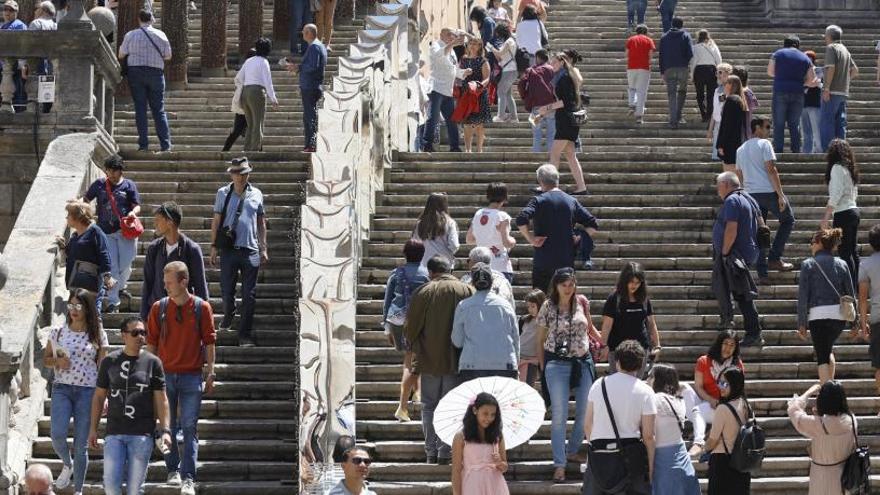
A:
(238, 235)
(756, 168)
(356, 466)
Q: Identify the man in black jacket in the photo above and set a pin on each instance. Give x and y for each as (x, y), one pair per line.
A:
(171, 245)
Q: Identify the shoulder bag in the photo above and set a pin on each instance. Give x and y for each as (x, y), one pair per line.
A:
(686, 428)
(855, 478)
(225, 238)
(847, 303)
(131, 227)
(622, 466)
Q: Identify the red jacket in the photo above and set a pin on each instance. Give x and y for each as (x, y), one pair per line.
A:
(536, 86)
(468, 102)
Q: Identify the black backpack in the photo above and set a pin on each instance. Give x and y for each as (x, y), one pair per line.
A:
(522, 60)
(750, 444)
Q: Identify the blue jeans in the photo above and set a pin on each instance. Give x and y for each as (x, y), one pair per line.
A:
(72, 401)
(811, 125)
(833, 119)
(131, 451)
(546, 127)
(441, 104)
(122, 253)
(667, 12)
(635, 9)
(310, 99)
(787, 110)
(185, 390)
(300, 15)
(148, 88)
(247, 263)
(769, 202)
(558, 376)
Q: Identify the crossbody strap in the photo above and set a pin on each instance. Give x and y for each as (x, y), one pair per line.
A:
(610, 412)
(159, 51)
(677, 419)
(738, 422)
(826, 278)
(855, 435)
(112, 199)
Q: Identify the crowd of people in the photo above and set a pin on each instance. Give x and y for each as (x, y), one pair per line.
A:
(154, 391)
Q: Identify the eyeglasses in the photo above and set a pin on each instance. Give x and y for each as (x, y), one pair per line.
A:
(358, 460)
(75, 306)
(136, 332)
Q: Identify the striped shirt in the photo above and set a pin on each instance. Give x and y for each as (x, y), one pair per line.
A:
(142, 53)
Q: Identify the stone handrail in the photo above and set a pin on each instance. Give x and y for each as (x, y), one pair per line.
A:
(33, 295)
(819, 13)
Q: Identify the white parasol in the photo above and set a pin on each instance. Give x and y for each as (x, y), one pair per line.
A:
(522, 409)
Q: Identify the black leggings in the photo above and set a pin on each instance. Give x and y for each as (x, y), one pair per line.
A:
(238, 129)
(825, 334)
(705, 83)
(848, 221)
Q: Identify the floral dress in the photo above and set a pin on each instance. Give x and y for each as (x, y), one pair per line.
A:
(484, 116)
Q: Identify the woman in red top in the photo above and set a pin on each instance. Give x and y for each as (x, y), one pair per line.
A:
(722, 354)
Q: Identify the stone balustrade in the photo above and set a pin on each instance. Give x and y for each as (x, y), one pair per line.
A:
(803, 13)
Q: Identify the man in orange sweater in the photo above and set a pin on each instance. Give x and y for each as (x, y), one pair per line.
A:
(180, 331)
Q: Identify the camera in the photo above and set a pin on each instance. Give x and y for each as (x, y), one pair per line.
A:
(562, 348)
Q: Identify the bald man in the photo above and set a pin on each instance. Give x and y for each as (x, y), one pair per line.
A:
(311, 78)
(38, 480)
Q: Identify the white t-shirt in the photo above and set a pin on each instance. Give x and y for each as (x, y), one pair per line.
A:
(716, 109)
(667, 429)
(630, 399)
(484, 227)
(83, 371)
(170, 248)
(752, 158)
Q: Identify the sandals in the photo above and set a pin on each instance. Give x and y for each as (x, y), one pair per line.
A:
(559, 475)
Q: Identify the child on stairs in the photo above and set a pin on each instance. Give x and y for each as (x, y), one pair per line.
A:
(479, 459)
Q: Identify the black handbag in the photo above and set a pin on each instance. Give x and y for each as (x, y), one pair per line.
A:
(621, 466)
(856, 476)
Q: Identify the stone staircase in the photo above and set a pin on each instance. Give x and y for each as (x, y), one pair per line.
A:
(653, 191)
(248, 426)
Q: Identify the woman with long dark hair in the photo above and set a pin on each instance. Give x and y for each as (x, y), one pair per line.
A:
(437, 230)
(842, 178)
(485, 23)
(73, 352)
(723, 478)
(731, 130)
(479, 459)
(564, 332)
(824, 279)
(722, 354)
(832, 431)
(628, 314)
(704, 65)
(673, 471)
(568, 101)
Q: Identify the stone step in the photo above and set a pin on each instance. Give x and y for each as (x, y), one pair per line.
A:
(210, 429)
(234, 409)
(225, 471)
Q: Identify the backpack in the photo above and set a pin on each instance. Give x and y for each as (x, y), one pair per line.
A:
(750, 444)
(197, 309)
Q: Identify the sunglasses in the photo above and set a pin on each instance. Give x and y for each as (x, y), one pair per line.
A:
(564, 271)
(723, 384)
(357, 461)
(136, 333)
(75, 306)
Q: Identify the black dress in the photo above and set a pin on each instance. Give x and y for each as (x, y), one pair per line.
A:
(484, 116)
(565, 90)
(731, 129)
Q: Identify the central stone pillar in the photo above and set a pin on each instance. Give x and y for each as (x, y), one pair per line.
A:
(250, 24)
(214, 37)
(175, 24)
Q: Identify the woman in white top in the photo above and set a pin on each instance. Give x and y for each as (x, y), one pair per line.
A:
(704, 64)
(529, 32)
(73, 352)
(490, 228)
(498, 12)
(437, 230)
(673, 471)
(505, 54)
(842, 177)
(255, 79)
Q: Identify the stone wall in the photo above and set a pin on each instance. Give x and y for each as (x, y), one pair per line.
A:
(802, 13)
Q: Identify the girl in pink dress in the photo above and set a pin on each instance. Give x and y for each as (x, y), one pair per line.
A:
(479, 459)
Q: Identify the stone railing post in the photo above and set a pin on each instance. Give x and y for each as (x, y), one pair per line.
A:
(7, 84)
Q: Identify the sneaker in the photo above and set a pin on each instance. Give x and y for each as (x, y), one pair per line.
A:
(780, 266)
(499, 120)
(125, 293)
(226, 323)
(111, 308)
(431, 459)
(188, 487)
(63, 480)
(173, 478)
(640, 120)
(752, 342)
(444, 461)
(402, 415)
(246, 342)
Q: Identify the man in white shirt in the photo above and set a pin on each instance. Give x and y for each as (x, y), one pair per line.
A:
(634, 409)
(756, 168)
(444, 72)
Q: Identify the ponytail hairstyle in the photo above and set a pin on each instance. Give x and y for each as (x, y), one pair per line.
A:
(566, 58)
(828, 238)
(841, 153)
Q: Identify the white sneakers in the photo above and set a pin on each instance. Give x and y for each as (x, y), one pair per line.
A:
(188, 487)
(63, 480)
(173, 478)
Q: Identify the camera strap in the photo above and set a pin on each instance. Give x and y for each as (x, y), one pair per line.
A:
(237, 209)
